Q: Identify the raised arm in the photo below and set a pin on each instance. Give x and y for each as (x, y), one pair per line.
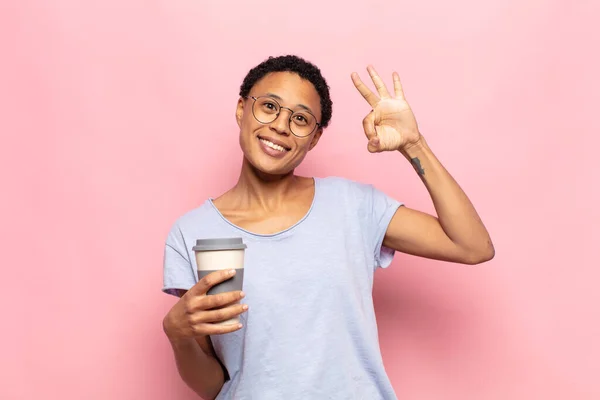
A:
(457, 234)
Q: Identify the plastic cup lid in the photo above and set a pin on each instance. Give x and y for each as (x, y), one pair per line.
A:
(219, 244)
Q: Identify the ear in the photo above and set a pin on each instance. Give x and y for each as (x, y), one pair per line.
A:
(239, 111)
(315, 138)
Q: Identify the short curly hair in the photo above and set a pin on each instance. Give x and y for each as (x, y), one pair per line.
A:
(295, 64)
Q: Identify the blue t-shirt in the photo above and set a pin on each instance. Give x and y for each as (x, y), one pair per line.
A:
(310, 331)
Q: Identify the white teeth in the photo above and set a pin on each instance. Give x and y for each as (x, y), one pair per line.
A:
(273, 145)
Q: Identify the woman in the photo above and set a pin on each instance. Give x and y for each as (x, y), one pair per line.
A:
(308, 327)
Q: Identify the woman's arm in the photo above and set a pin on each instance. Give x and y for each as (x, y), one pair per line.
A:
(189, 324)
(200, 371)
(456, 235)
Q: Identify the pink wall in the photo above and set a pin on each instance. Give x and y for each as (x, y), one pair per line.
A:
(115, 114)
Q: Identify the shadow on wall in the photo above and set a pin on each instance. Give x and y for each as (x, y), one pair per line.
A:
(427, 310)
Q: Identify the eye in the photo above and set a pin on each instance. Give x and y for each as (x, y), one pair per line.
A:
(269, 106)
(301, 119)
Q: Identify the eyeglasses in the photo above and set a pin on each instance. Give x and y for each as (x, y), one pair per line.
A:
(266, 110)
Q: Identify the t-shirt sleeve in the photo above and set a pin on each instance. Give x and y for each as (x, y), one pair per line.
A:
(178, 271)
(380, 211)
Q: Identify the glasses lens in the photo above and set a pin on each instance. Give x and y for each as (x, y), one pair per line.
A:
(302, 123)
(265, 109)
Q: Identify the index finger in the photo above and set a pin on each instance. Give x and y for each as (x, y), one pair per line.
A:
(210, 280)
(371, 98)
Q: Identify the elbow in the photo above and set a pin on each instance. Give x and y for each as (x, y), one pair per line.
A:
(480, 256)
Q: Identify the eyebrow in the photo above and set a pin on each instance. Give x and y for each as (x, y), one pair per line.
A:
(299, 105)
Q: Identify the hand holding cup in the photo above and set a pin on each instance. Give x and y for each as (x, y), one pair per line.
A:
(198, 314)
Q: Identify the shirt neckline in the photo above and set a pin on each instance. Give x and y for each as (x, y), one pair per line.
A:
(269, 235)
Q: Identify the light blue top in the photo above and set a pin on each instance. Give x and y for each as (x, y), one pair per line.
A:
(310, 331)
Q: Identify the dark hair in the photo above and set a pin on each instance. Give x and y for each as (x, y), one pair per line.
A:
(297, 65)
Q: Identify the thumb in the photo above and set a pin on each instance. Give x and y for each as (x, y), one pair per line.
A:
(370, 132)
(374, 145)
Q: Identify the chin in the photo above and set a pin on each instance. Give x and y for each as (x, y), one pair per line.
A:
(266, 164)
(269, 167)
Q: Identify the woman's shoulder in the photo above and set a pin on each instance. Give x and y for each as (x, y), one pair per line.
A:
(345, 185)
(196, 215)
(344, 192)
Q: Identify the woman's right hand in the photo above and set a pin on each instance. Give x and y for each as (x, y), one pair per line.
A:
(196, 312)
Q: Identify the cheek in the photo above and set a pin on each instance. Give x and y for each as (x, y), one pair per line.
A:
(301, 151)
(245, 127)
(248, 124)
(244, 137)
(305, 147)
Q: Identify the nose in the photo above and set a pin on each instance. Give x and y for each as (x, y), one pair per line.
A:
(281, 124)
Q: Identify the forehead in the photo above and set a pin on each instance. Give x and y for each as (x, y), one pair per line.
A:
(291, 88)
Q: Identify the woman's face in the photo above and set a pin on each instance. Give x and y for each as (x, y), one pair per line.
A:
(271, 147)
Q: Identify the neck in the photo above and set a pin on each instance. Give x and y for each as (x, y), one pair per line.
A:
(257, 189)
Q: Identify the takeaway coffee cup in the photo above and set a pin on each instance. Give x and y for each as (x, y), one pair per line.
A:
(219, 254)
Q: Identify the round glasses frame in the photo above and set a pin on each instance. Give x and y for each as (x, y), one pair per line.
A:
(292, 112)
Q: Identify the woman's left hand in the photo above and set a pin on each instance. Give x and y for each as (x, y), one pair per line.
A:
(391, 125)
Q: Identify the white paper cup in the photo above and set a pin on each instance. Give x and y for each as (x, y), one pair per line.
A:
(219, 254)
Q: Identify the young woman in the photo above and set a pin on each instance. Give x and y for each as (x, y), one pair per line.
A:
(308, 328)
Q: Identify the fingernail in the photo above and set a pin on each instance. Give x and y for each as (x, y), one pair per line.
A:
(240, 326)
(245, 307)
(231, 271)
(242, 294)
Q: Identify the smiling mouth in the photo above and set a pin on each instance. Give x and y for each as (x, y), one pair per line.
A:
(274, 146)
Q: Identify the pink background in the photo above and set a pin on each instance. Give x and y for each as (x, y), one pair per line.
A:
(114, 116)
